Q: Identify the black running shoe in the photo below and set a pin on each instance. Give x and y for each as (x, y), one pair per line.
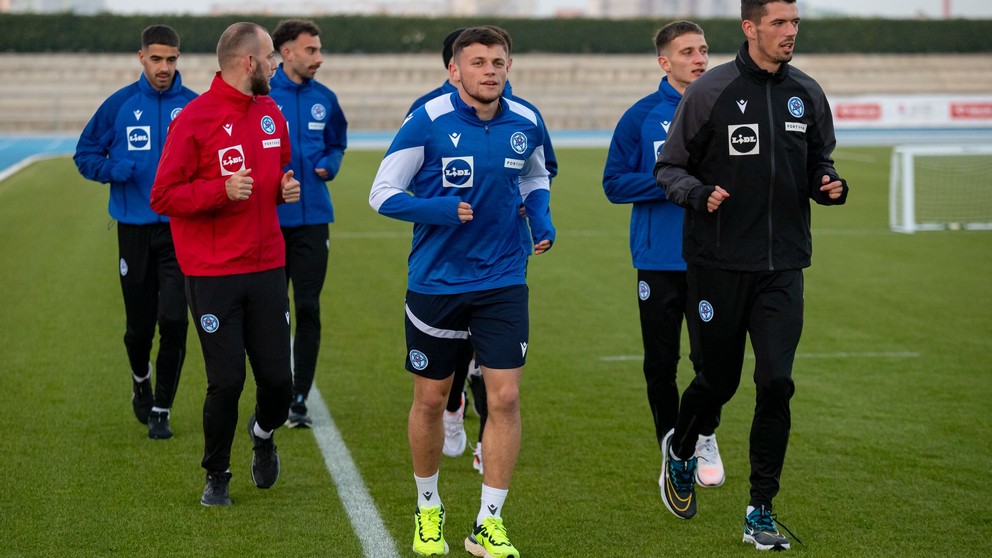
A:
(298, 413)
(158, 426)
(142, 399)
(678, 488)
(215, 493)
(265, 460)
(760, 530)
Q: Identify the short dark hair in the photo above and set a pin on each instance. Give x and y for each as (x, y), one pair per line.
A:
(506, 37)
(289, 29)
(159, 35)
(237, 40)
(449, 42)
(753, 10)
(481, 35)
(673, 31)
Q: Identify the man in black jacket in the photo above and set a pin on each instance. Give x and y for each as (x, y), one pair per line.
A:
(750, 145)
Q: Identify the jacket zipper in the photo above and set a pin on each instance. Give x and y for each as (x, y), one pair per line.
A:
(771, 183)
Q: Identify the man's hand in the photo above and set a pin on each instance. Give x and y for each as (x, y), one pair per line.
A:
(290, 188)
(542, 247)
(833, 189)
(238, 186)
(322, 173)
(716, 198)
(464, 212)
(122, 170)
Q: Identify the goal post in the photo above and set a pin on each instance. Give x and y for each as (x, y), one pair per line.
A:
(940, 187)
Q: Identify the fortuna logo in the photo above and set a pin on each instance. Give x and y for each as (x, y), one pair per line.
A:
(137, 114)
(523, 348)
(665, 125)
(455, 136)
(742, 104)
(228, 128)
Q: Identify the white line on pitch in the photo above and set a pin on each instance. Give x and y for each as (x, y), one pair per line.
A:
(362, 512)
(869, 354)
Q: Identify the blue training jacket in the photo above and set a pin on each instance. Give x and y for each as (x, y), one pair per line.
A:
(442, 155)
(550, 161)
(655, 222)
(130, 124)
(318, 134)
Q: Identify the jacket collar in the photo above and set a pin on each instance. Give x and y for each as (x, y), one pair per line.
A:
(281, 79)
(749, 68)
(468, 111)
(229, 94)
(174, 89)
(668, 92)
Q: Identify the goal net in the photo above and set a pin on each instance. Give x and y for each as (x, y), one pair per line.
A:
(946, 187)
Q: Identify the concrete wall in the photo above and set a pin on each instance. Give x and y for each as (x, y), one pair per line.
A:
(59, 92)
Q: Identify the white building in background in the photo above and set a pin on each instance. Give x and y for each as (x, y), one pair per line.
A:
(48, 6)
(628, 9)
(428, 8)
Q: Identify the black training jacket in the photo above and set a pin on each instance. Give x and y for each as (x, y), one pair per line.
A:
(766, 139)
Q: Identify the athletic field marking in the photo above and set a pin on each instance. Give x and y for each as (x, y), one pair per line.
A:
(868, 354)
(364, 516)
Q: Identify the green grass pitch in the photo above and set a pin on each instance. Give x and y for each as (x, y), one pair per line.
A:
(890, 451)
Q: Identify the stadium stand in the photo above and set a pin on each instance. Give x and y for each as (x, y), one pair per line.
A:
(58, 92)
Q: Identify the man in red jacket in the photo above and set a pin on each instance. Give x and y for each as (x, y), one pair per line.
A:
(220, 180)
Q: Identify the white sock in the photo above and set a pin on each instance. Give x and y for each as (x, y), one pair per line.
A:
(492, 503)
(140, 379)
(160, 410)
(427, 495)
(259, 433)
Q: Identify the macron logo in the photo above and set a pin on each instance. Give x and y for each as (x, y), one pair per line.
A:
(523, 348)
(428, 496)
(665, 125)
(742, 104)
(137, 115)
(455, 136)
(228, 128)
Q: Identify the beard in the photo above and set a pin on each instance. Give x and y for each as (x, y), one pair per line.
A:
(259, 81)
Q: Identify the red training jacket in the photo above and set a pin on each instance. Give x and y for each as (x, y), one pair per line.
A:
(216, 135)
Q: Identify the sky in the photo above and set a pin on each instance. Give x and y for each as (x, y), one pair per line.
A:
(864, 8)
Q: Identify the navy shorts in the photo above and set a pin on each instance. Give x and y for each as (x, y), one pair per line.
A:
(495, 321)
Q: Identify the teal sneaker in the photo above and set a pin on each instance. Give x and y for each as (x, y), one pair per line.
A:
(428, 534)
(760, 530)
(678, 482)
(489, 540)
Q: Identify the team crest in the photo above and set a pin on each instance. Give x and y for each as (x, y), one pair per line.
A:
(268, 125)
(796, 107)
(518, 141)
(318, 112)
(209, 323)
(643, 290)
(175, 112)
(123, 267)
(418, 360)
(705, 310)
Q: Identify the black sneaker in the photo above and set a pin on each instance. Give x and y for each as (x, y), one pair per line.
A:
(298, 413)
(265, 460)
(215, 493)
(142, 399)
(760, 530)
(158, 426)
(678, 481)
